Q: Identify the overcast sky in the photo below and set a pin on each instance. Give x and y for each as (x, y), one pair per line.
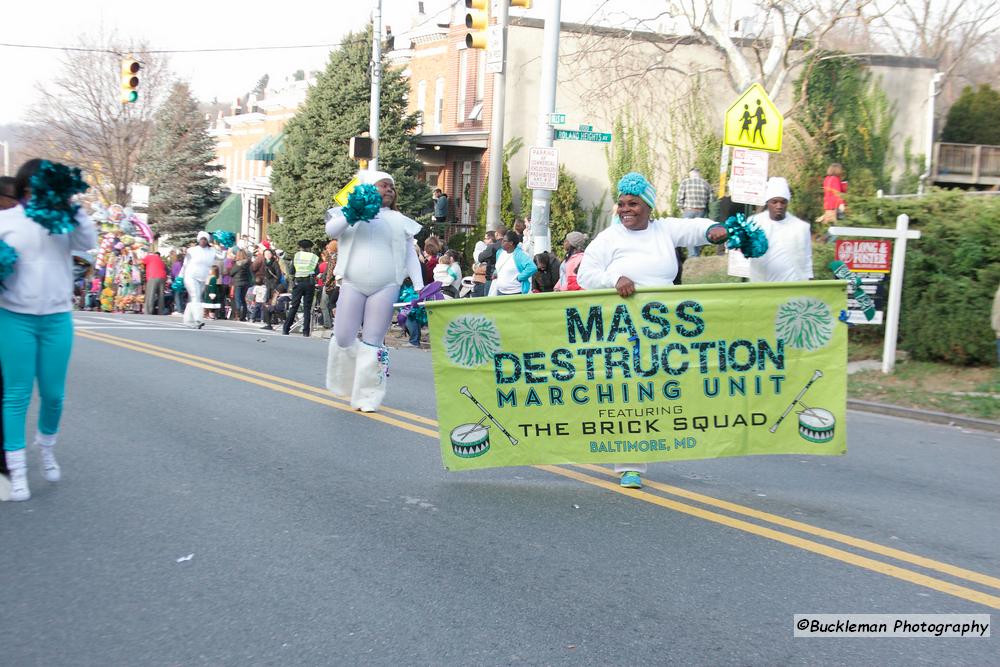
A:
(184, 24)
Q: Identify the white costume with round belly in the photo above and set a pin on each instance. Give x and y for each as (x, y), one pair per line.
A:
(374, 257)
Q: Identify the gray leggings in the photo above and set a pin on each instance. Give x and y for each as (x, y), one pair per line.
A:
(372, 314)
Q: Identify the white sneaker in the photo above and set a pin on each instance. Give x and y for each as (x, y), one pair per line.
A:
(50, 468)
(19, 485)
(18, 476)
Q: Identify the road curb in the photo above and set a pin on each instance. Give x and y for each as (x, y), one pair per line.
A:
(924, 415)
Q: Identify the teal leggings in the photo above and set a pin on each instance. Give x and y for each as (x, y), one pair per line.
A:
(33, 346)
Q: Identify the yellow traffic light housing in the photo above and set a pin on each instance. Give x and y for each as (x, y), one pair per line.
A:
(476, 20)
(130, 80)
(526, 4)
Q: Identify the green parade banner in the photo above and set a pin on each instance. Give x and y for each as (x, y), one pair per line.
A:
(668, 374)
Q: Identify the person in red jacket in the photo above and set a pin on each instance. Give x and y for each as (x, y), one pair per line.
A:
(156, 277)
(574, 245)
(834, 186)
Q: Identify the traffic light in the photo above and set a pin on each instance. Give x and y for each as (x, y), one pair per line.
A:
(476, 20)
(130, 80)
(361, 148)
(526, 4)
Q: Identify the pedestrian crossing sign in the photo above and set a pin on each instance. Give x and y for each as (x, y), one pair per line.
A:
(341, 197)
(754, 122)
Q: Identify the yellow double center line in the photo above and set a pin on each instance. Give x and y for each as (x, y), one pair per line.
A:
(418, 424)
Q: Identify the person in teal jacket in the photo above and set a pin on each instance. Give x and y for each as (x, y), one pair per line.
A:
(513, 268)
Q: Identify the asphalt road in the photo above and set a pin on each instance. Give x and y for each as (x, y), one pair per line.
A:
(218, 508)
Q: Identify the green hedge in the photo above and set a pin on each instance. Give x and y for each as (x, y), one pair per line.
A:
(952, 273)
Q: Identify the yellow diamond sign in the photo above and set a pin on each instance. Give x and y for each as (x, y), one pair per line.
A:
(341, 197)
(754, 122)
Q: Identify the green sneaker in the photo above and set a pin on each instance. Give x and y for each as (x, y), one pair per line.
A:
(631, 480)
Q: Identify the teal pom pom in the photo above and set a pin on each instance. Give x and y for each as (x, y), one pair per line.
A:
(225, 239)
(52, 186)
(177, 285)
(745, 236)
(363, 203)
(8, 259)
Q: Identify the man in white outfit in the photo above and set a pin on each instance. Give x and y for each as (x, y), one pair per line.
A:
(198, 261)
(789, 241)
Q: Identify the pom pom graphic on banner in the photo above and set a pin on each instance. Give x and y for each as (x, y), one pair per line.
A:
(804, 323)
(745, 236)
(52, 186)
(8, 260)
(363, 203)
(471, 341)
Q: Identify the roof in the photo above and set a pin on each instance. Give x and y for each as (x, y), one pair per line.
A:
(229, 217)
(267, 148)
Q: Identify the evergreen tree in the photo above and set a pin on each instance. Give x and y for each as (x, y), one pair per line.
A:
(566, 214)
(184, 192)
(315, 165)
(972, 119)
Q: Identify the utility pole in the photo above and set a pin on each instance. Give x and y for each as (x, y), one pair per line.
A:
(6, 157)
(376, 82)
(496, 126)
(541, 199)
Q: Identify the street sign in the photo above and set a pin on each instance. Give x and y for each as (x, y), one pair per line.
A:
(494, 49)
(754, 122)
(586, 128)
(341, 197)
(748, 177)
(576, 135)
(543, 168)
(557, 118)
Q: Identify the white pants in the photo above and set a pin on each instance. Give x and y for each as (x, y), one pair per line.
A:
(370, 313)
(194, 311)
(633, 467)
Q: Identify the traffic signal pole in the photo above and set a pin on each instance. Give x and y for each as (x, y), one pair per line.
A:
(376, 82)
(496, 126)
(541, 199)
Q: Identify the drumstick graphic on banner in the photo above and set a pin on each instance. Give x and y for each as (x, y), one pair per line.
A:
(465, 391)
(816, 375)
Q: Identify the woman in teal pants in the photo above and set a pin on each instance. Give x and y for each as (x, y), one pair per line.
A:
(36, 303)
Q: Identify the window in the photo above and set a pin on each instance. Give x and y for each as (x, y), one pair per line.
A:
(481, 77)
(438, 105)
(463, 74)
(421, 104)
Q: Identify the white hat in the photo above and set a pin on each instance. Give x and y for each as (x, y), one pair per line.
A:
(372, 177)
(777, 187)
(204, 235)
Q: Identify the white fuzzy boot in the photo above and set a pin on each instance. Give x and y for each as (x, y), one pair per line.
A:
(370, 377)
(18, 468)
(46, 445)
(340, 363)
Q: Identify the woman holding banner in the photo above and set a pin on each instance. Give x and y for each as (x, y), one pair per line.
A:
(640, 252)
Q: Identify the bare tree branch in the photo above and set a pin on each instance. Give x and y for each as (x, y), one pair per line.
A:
(81, 121)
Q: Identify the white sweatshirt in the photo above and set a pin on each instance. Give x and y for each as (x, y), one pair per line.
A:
(647, 257)
(42, 283)
(789, 251)
(198, 262)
